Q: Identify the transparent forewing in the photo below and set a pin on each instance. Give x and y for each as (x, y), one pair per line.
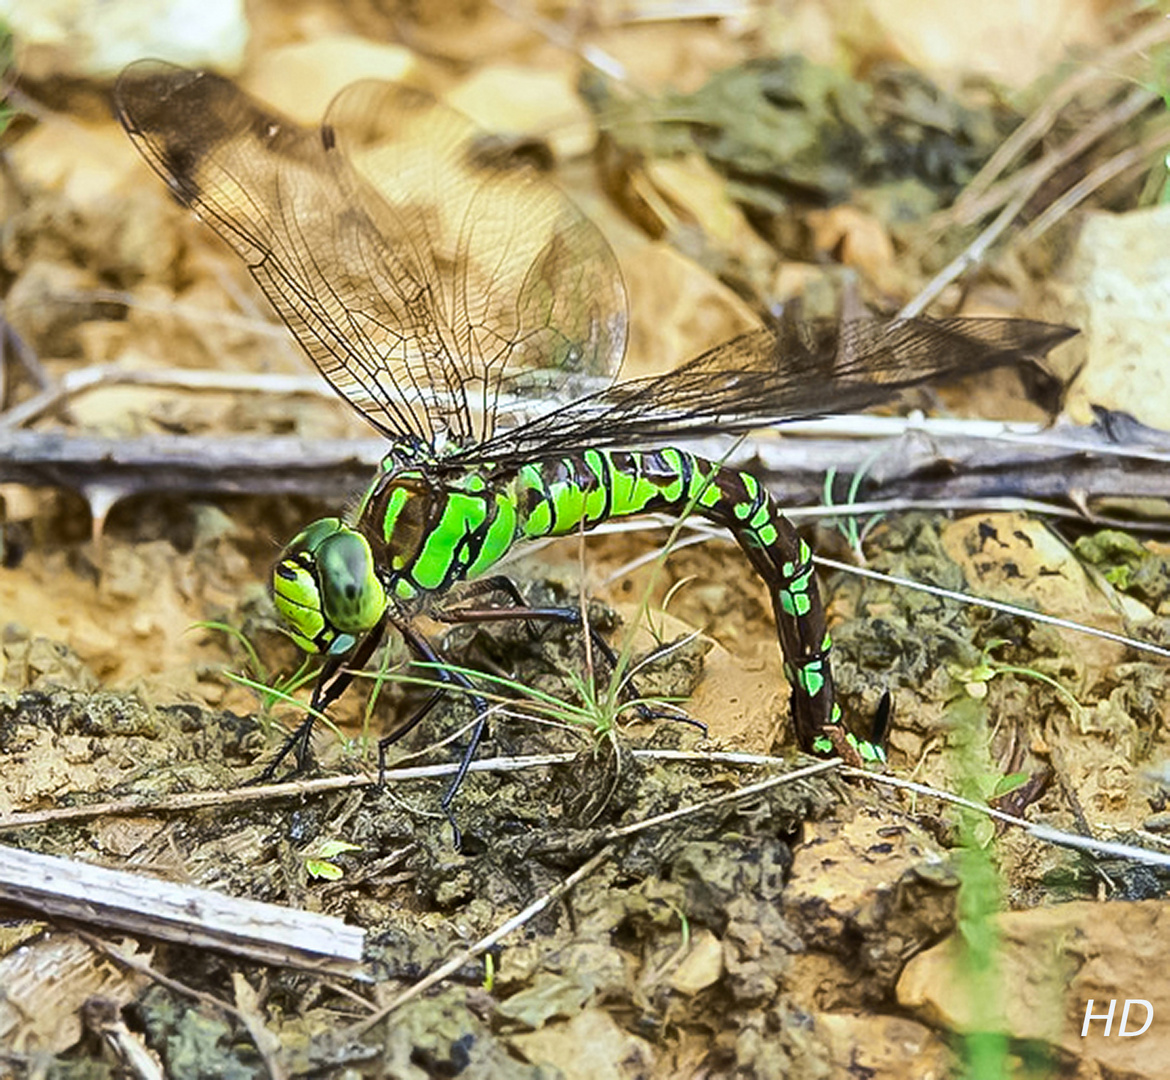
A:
(795, 370)
(435, 282)
(525, 291)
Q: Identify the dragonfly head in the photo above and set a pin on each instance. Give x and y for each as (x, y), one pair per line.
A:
(326, 587)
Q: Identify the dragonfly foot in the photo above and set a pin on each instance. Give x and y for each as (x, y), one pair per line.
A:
(298, 741)
(648, 713)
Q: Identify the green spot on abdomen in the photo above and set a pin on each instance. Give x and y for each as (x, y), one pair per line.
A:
(811, 678)
(795, 604)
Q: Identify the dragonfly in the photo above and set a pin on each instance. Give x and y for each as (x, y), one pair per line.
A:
(473, 315)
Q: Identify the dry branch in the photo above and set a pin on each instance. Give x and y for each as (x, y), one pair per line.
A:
(939, 461)
(95, 895)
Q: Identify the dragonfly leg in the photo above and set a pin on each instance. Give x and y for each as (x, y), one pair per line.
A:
(523, 613)
(335, 677)
(424, 650)
(496, 583)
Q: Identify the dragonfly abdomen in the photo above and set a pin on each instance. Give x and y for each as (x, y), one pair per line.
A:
(626, 483)
(560, 496)
(429, 531)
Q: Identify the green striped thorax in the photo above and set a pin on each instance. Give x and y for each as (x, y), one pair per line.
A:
(326, 587)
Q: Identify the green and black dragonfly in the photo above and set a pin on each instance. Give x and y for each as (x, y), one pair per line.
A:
(477, 319)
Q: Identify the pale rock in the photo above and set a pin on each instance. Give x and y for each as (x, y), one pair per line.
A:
(1119, 276)
(301, 79)
(81, 39)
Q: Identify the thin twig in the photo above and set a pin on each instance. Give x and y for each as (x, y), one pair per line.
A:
(103, 376)
(1130, 158)
(300, 789)
(1045, 833)
(997, 605)
(261, 793)
(728, 796)
(706, 533)
(1024, 185)
(1030, 178)
(970, 256)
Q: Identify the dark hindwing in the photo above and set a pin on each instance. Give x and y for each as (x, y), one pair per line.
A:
(794, 370)
(434, 282)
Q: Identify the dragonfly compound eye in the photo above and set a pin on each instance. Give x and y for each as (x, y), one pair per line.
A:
(326, 588)
(297, 598)
(352, 596)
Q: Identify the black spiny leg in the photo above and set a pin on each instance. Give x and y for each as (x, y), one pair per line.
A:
(336, 675)
(425, 651)
(497, 583)
(501, 583)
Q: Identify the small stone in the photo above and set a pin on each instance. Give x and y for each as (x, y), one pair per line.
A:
(701, 967)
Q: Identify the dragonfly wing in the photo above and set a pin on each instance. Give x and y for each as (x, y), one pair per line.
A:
(793, 371)
(527, 294)
(429, 279)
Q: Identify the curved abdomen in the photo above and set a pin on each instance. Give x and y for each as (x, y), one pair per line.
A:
(558, 497)
(432, 531)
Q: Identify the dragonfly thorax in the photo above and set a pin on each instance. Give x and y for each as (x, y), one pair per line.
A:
(326, 587)
(402, 514)
(431, 526)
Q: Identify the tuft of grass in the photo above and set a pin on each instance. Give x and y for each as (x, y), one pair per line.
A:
(847, 523)
(270, 690)
(597, 717)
